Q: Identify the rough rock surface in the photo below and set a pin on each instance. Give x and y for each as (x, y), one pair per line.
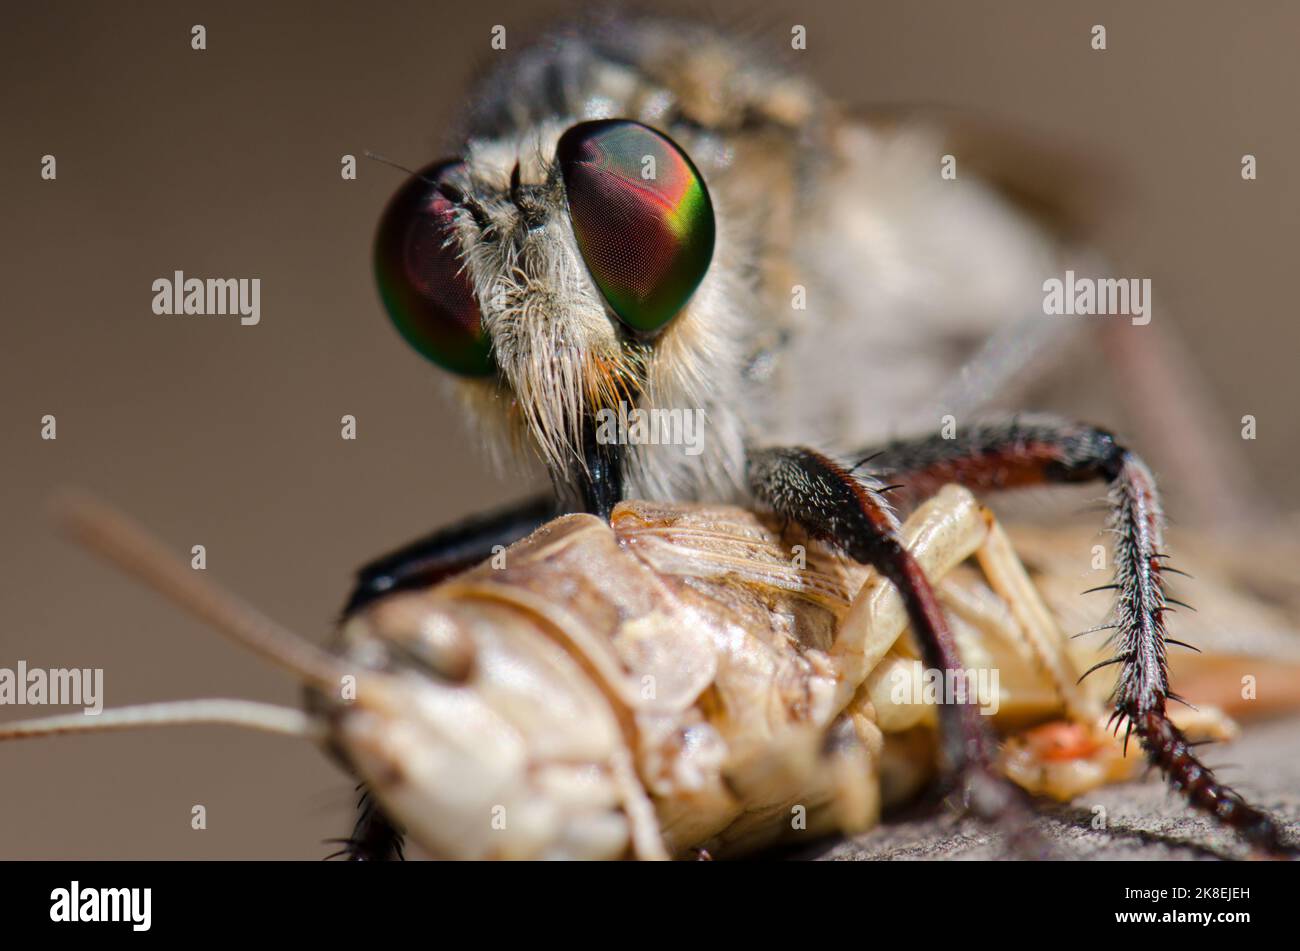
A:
(1145, 819)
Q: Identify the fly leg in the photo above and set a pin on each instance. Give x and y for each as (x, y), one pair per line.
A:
(446, 552)
(1069, 756)
(374, 837)
(1041, 451)
(833, 505)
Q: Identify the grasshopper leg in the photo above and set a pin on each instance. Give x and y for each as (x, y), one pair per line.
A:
(1036, 632)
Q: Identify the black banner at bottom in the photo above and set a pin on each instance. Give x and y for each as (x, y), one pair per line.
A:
(306, 899)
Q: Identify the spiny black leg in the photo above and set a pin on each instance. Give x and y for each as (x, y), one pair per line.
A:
(1041, 450)
(447, 551)
(374, 838)
(834, 506)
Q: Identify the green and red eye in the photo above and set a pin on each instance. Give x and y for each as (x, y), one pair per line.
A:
(641, 215)
(422, 277)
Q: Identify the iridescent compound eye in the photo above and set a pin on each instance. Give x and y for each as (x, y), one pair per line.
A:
(641, 215)
(422, 280)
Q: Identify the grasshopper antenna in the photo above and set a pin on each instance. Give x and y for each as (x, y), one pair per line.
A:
(131, 548)
(267, 717)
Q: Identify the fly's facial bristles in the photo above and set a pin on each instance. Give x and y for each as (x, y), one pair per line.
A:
(541, 327)
(562, 355)
(614, 381)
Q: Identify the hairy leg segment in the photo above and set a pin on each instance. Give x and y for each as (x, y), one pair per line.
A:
(374, 838)
(1043, 451)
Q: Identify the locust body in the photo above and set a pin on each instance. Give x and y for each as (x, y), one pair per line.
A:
(688, 678)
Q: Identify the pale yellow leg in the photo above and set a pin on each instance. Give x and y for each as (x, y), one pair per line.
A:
(944, 532)
(940, 535)
(1043, 639)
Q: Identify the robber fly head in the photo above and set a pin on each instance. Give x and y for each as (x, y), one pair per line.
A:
(559, 275)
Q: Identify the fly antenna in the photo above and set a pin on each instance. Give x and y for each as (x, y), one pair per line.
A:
(446, 189)
(397, 165)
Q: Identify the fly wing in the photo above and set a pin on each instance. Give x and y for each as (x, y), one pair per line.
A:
(927, 245)
(911, 273)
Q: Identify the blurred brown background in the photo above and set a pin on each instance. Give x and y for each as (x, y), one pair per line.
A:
(226, 163)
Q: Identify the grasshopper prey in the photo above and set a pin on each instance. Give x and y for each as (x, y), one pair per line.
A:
(680, 680)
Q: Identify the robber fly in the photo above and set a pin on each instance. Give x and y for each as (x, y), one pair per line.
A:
(647, 213)
(646, 216)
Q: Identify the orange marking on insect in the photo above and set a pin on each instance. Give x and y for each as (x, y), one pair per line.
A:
(1060, 742)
